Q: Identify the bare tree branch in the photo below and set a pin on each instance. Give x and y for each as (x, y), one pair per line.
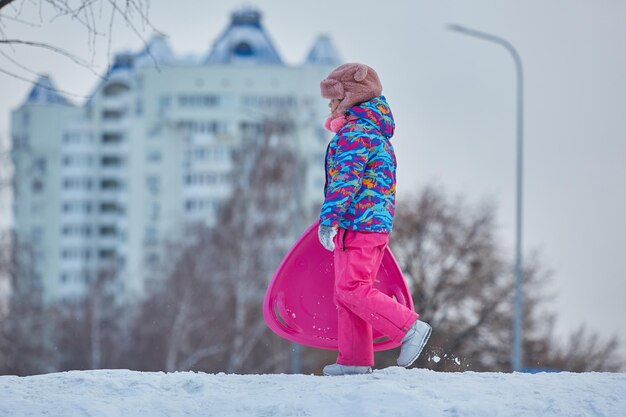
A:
(23, 22)
(17, 63)
(84, 13)
(40, 85)
(130, 23)
(463, 285)
(52, 48)
(4, 3)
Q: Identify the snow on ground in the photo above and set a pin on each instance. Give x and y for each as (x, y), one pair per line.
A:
(393, 392)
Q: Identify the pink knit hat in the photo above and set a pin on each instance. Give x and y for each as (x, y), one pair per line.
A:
(353, 84)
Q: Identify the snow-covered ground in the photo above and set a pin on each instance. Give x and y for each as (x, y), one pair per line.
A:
(389, 392)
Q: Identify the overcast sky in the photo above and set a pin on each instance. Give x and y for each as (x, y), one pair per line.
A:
(454, 101)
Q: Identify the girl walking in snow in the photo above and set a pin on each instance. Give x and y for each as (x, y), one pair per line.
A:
(356, 219)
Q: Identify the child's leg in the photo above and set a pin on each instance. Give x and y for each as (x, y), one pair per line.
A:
(356, 346)
(356, 267)
(354, 335)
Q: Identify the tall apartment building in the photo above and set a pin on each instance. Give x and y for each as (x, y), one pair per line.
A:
(106, 183)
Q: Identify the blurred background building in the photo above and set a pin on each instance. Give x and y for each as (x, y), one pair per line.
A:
(104, 185)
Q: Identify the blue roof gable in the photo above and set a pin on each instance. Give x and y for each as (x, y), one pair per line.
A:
(244, 42)
(44, 92)
(323, 52)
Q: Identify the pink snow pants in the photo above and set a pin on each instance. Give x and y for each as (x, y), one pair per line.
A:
(361, 307)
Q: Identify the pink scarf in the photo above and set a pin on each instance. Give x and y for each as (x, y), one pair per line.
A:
(333, 124)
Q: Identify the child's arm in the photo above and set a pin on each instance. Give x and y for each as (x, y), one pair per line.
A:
(350, 160)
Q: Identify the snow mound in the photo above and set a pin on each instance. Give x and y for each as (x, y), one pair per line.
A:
(389, 392)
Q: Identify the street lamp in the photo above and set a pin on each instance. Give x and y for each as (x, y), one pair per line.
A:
(517, 319)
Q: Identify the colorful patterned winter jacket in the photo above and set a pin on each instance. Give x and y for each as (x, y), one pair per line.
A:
(360, 185)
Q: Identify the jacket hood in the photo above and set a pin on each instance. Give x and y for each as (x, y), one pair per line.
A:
(377, 113)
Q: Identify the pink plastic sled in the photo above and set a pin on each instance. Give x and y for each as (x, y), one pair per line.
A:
(299, 304)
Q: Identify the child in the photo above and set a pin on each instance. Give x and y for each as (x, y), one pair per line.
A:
(356, 219)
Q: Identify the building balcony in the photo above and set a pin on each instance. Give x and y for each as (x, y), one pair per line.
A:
(113, 171)
(107, 218)
(75, 263)
(108, 241)
(115, 102)
(77, 240)
(76, 217)
(115, 125)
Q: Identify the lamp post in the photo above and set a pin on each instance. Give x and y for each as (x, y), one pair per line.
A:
(517, 319)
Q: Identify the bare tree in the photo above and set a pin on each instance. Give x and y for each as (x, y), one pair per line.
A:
(180, 326)
(584, 351)
(97, 17)
(5, 235)
(209, 309)
(5, 165)
(94, 332)
(462, 284)
(256, 228)
(27, 336)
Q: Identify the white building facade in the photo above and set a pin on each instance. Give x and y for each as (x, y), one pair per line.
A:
(104, 185)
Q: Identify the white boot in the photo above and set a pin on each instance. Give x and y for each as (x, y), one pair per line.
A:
(413, 343)
(336, 369)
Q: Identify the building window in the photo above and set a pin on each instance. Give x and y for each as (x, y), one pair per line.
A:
(201, 205)
(202, 178)
(198, 100)
(107, 254)
(115, 89)
(154, 210)
(151, 236)
(37, 186)
(37, 209)
(108, 207)
(76, 253)
(112, 114)
(251, 128)
(74, 183)
(20, 142)
(71, 137)
(139, 82)
(110, 184)
(111, 161)
(108, 230)
(152, 259)
(40, 165)
(36, 234)
(277, 102)
(77, 207)
(111, 138)
(153, 183)
(201, 126)
(164, 104)
(154, 156)
(77, 160)
(243, 49)
(76, 230)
